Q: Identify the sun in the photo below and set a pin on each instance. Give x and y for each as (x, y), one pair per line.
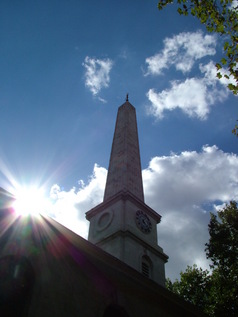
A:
(30, 201)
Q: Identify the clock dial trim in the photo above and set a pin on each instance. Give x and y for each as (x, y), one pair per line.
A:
(143, 222)
(104, 220)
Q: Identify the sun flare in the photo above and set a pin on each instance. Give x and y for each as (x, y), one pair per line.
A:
(30, 201)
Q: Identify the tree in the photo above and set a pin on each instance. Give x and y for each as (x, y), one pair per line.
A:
(194, 286)
(215, 292)
(220, 17)
(222, 249)
(222, 246)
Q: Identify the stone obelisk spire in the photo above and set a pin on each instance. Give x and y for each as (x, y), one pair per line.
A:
(124, 173)
(123, 225)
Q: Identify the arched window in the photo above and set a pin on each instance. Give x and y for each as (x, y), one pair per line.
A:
(146, 266)
(16, 283)
(115, 311)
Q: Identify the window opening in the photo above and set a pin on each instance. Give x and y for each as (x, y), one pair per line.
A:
(146, 266)
(145, 269)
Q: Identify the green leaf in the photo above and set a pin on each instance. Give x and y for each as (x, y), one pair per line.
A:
(193, 11)
(220, 28)
(226, 44)
(231, 87)
(223, 61)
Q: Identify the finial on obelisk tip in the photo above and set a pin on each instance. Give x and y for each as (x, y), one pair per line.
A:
(127, 97)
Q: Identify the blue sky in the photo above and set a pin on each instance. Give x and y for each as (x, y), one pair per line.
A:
(66, 67)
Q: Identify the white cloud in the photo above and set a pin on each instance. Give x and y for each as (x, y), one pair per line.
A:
(97, 73)
(183, 188)
(191, 178)
(194, 96)
(69, 207)
(210, 75)
(102, 100)
(181, 50)
(234, 4)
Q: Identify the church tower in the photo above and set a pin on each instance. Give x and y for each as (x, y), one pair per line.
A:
(123, 225)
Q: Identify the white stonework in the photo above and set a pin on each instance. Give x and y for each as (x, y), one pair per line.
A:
(123, 225)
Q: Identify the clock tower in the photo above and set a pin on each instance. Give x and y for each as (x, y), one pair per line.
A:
(123, 225)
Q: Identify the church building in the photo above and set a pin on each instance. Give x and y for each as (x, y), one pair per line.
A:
(48, 270)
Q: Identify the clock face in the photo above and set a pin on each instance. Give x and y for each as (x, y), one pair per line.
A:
(143, 221)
